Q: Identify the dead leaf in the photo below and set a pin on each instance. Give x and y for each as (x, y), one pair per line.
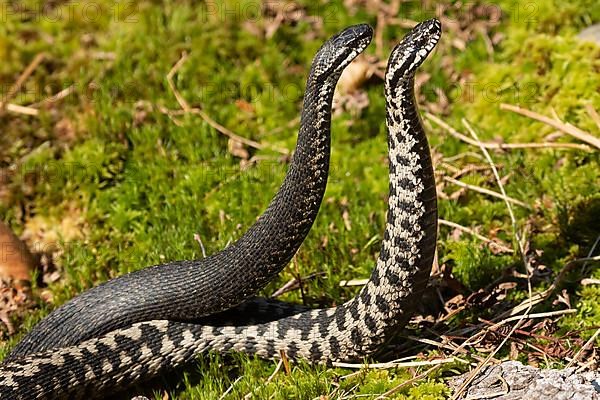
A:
(354, 76)
(16, 261)
(245, 106)
(65, 131)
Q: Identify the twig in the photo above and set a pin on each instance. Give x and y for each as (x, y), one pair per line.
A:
(506, 146)
(593, 114)
(537, 315)
(286, 362)
(54, 98)
(198, 239)
(294, 284)
(583, 348)
(234, 136)
(230, 388)
(565, 127)
(477, 235)
(14, 89)
(214, 124)
(354, 282)
(408, 382)
(269, 379)
(487, 191)
(21, 109)
(408, 364)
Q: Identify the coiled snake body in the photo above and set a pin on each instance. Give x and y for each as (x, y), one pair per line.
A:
(349, 331)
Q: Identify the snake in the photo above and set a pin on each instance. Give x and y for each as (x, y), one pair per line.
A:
(350, 331)
(187, 290)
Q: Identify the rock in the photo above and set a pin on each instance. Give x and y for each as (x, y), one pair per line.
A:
(591, 33)
(512, 380)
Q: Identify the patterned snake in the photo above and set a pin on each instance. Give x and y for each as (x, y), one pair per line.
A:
(141, 350)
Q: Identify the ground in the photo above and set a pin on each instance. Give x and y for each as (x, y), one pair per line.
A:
(110, 176)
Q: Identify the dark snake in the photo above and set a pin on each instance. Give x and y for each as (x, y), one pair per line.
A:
(350, 331)
(187, 290)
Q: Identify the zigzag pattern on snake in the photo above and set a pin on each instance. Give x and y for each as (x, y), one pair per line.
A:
(347, 332)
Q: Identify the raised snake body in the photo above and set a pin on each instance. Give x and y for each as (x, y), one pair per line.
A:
(349, 331)
(187, 290)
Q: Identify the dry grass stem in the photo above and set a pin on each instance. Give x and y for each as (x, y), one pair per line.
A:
(555, 123)
(269, 379)
(590, 281)
(583, 348)
(408, 382)
(198, 239)
(477, 235)
(354, 282)
(14, 89)
(487, 191)
(17, 109)
(57, 97)
(506, 146)
(230, 388)
(294, 284)
(534, 316)
(214, 124)
(408, 364)
(593, 114)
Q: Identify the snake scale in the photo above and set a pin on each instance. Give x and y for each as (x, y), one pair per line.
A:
(141, 350)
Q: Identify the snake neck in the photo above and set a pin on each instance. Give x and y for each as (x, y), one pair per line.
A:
(387, 301)
(389, 298)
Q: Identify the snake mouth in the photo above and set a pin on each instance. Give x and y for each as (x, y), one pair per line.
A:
(414, 48)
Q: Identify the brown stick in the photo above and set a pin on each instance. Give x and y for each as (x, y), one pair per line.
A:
(593, 114)
(505, 146)
(14, 89)
(565, 127)
(214, 124)
(477, 235)
(486, 191)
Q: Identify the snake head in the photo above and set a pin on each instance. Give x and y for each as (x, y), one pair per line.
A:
(339, 51)
(414, 48)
